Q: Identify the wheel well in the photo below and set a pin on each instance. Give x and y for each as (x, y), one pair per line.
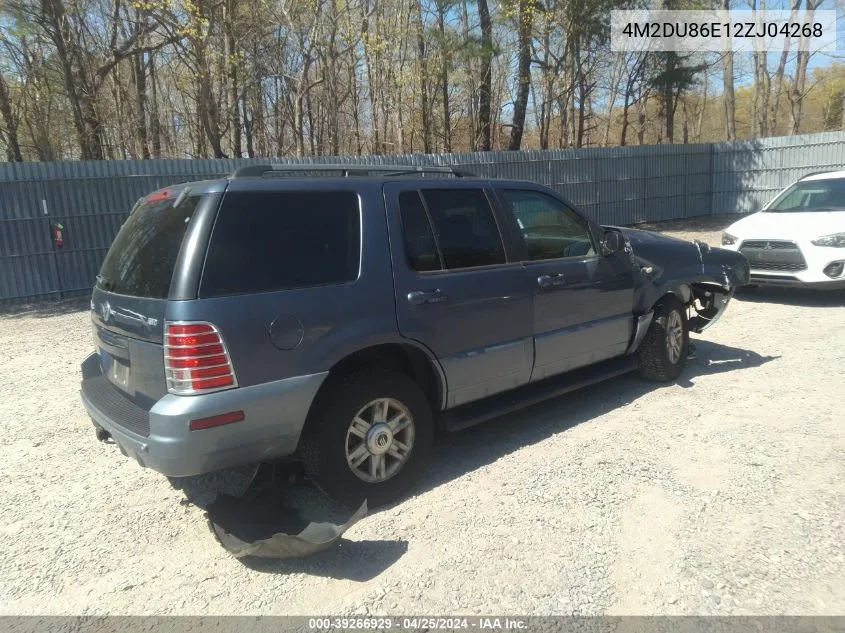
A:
(392, 356)
(682, 293)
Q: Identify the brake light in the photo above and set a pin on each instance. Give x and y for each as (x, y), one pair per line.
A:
(196, 359)
(158, 196)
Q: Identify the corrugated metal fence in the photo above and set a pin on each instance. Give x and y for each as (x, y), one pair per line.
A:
(619, 185)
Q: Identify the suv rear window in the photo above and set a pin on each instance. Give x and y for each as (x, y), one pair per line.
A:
(141, 259)
(279, 240)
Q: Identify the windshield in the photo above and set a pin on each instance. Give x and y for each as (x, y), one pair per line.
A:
(812, 195)
(141, 259)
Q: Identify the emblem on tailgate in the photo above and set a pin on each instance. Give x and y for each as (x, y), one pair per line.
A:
(105, 311)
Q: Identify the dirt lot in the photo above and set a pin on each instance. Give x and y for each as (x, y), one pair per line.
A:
(723, 493)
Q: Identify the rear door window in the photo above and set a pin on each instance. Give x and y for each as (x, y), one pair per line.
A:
(466, 230)
(141, 259)
(420, 245)
(279, 240)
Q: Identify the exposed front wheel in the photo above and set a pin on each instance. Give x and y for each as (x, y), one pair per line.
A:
(663, 352)
(369, 438)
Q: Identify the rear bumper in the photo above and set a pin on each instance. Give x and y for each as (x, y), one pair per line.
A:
(160, 439)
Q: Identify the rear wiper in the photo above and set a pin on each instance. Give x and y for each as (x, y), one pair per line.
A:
(181, 197)
(105, 284)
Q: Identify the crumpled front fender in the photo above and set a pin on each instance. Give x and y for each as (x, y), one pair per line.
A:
(698, 274)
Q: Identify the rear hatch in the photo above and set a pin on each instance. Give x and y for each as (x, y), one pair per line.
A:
(131, 291)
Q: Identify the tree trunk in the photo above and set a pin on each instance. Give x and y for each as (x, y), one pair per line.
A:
(774, 99)
(842, 107)
(422, 65)
(520, 107)
(371, 83)
(356, 101)
(582, 98)
(485, 90)
(623, 133)
(232, 79)
(444, 78)
(728, 97)
(155, 122)
(796, 99)
(139, 79)
(299, 125)
(11, 122)
(248, 131)
(209, 113)
(668, 98)
(641, 120)
(701, 108)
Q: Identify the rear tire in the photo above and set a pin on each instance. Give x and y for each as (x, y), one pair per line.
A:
(663, 353)
(349, 425)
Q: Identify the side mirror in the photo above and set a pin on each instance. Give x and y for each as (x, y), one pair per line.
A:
(612, 243)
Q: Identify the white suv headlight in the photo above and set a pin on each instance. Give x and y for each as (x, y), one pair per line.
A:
(728, 239)
(837, 240)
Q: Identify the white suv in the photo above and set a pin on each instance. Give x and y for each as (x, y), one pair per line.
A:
(798, 239)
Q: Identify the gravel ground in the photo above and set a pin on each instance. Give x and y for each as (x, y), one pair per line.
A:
(721, 494)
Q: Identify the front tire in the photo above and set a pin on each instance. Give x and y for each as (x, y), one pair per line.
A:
(663, 353)
(369, 438)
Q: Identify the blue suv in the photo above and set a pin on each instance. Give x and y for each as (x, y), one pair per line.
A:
(339, 314)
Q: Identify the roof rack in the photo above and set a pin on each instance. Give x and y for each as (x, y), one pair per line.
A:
(259, 171)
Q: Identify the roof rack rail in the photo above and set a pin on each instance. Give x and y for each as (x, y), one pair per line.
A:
(258, 171)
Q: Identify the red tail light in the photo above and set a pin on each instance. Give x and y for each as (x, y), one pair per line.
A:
(196, 359)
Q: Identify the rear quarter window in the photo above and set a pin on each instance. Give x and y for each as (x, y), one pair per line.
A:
(265, 241)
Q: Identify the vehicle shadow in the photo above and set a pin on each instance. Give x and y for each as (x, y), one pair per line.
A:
(360, 561)
(277, 501)
(802, 297)
(713, 358)
(457, 454)
(454, 455)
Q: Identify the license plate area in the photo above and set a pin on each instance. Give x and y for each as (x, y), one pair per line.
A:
(120, 373)
(115, 369)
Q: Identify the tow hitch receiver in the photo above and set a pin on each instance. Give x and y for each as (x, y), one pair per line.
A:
(278, 518)
(101, 433)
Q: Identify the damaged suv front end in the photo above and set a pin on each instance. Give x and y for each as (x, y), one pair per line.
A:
(702, 277)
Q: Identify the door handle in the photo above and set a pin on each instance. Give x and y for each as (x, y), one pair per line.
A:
(546, 281)
(418, 297)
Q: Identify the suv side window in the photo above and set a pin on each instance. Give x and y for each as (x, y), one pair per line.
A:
(550, 229)
(279, 240)
(420, 245)
(466, 230)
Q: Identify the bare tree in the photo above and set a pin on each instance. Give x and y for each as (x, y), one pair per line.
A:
(799, 83)
(11, 122)
(525, 18)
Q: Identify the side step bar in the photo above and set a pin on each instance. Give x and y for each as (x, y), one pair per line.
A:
(495, 406)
